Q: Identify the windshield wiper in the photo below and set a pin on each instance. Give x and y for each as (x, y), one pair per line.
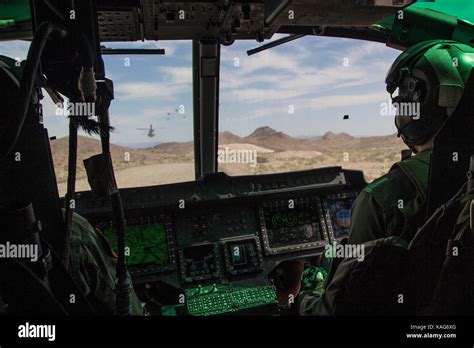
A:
(275, 43)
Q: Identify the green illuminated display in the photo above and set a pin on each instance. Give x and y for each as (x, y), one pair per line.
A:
(219, 300)
(292, 227)
(290, 219)
(147, 244)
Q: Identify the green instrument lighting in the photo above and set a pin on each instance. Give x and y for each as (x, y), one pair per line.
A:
(147, 244)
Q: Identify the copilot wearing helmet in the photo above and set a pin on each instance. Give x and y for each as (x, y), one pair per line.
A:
(430, 78)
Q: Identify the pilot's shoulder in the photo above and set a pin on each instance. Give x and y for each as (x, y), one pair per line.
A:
(389, 188)
(84, 237)
(89, 250)
(399, 181)
(377, 184)
(81, 227)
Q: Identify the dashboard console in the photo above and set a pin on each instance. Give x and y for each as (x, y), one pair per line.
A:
(228, 230)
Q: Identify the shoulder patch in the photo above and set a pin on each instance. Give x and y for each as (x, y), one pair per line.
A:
(375, 184)
(417, 170)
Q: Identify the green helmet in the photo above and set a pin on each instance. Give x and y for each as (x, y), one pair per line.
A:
(430, 77)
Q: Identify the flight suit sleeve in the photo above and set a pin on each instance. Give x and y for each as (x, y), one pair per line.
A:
(367, 224)
(93, 268)
(367, 220)
(313, 302)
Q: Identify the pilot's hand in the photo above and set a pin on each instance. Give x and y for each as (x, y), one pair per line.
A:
(288, 283)
(152, 293)
(313, 279)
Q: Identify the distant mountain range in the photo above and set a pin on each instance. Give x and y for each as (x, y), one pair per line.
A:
(265, 137)
(269, 138)
(139, 145)
(277, 151)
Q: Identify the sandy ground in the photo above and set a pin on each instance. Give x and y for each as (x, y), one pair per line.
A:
(245, 147)
(167, 173)
(373, 162)
(154, 174)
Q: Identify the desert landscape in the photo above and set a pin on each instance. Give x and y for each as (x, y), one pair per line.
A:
(274, 152)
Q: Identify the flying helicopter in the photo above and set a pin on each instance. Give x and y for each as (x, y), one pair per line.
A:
(151, 131)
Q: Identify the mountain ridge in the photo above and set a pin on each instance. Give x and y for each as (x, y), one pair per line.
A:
(276, 151)
(265, 137)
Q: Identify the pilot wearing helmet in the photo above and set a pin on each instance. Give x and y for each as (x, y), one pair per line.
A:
(92, 262)
(430, 78)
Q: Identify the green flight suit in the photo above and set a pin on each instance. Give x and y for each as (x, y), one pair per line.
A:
(92, 266)
(91, 262)
(393, 205)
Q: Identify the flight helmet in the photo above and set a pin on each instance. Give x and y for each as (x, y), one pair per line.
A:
(430, 77)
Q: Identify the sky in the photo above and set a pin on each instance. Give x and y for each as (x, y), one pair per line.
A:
(303, 88)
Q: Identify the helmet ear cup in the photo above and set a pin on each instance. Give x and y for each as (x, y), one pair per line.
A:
(408, 103)
(418, 130)
(440, 85)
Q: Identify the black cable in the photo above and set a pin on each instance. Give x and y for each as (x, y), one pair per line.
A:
(71, 189)
(123, 287)
(87, 55)
(276, 11)
(86, 51)
(470, 176)
(54, 10)
(27, 83)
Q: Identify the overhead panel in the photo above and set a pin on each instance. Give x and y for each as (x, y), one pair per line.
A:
(201, 20)
(227, 21)
(335, 12)
(178, 19)
(119, 25)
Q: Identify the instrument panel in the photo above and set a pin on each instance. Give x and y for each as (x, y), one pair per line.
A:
(243, 256)
(149, 244)
(288, 226)
(199, 262)
(229, 230)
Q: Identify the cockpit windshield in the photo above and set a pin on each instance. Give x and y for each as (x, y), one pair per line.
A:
(313, 102)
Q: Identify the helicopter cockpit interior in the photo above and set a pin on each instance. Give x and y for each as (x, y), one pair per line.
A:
(216, 244)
